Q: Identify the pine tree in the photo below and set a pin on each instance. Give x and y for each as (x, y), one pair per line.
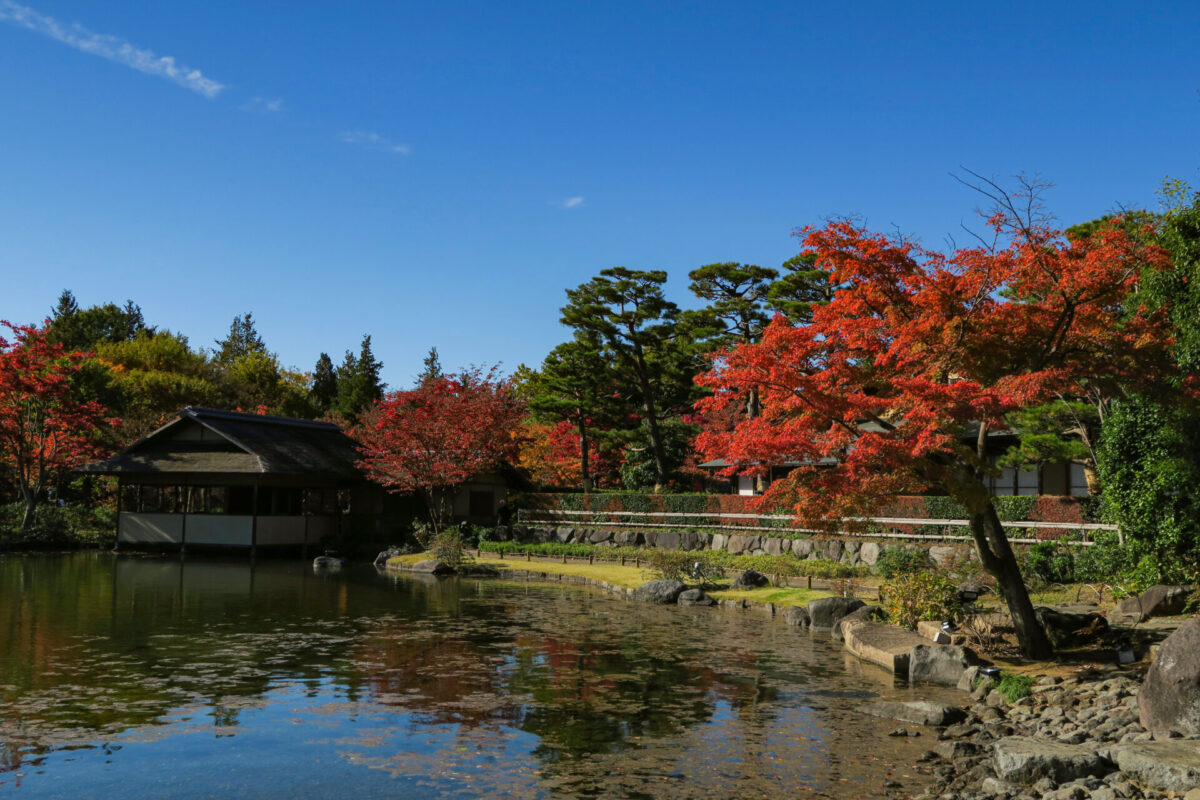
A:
(358, 383)
(242, 340)
(432, 368)
(323, 392)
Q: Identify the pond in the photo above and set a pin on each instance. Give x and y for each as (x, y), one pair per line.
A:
(127, 676)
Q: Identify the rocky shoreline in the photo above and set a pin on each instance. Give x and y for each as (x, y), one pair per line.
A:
(1070, 738)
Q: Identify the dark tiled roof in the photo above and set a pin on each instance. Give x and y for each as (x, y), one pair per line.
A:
(246, 444)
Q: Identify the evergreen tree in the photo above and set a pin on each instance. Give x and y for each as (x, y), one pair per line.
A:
(577, 385)
(432, 368)
(803, 286)
(241, 341)
(358, 383)
(85, 329)
(625, 310)
(324, 389)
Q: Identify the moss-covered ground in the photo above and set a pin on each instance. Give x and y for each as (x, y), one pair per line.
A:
(630, 577)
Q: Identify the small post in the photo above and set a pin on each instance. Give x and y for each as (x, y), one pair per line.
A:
(622, 561)
(809, 581)
(591, 559)
(529, 557)
(501, 554)
(564, 558)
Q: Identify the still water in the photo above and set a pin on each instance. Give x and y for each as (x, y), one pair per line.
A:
(143, 677)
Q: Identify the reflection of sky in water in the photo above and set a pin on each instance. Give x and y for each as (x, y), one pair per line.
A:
(280, 684)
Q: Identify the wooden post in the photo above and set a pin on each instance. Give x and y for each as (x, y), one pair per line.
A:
(501, 554)
(591, 559)
(564, 558)
(809, 581)
(622, 561)
(117, 543)
(254, 525)
(529, 556)
(187, 502)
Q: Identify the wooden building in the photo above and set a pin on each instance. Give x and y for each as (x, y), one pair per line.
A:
(214, 478)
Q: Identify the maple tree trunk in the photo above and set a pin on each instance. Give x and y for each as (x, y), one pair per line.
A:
(997, 557)
(584, 473)
(30, 510)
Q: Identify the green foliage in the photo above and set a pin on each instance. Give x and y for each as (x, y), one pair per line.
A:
(803, 287)
(1106, 561)
(241, 341)
(672, 565)
(358, 383)
(1014, 686)
(85, 329)
(1050, 562)
(58, 526)
(894, 561)
(323, 392)
(447, 547)
(1057, 431)
(916, 596)
(1148, 462)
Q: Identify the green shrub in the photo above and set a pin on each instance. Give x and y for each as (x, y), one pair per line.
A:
(672, 565)
(1106, 561)
(1014, 686)
(920, 595)
(894, 561)
(447, 547)
(1050, 562)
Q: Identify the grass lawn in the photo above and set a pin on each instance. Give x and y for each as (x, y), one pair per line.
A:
(630, 577)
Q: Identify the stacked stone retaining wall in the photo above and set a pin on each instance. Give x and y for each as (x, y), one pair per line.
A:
(845, 550)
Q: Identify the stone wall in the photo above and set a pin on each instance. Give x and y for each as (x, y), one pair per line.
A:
(852, 551)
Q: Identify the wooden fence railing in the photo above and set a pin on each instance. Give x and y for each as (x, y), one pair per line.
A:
(712, 521)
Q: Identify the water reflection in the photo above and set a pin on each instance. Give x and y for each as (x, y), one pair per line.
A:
(272, 678)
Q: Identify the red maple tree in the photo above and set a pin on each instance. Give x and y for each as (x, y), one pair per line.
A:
(43, 430)
(895, 384)
(434, 438)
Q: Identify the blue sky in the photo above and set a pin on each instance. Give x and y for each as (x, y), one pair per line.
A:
(439, 173)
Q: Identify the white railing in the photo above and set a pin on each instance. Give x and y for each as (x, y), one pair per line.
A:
(603, 519)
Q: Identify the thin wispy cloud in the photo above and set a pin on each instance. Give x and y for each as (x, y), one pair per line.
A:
(570, 202)
(264, 105)
(373, 141)
(113, 48)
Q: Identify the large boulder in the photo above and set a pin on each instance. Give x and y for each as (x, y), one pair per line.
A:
(694, 597)
(920, 712)
(692, 541)
(1020, 759)
(798, 616)
(1066, 629)
(1170, 766)
(869, 553)
(944, 556)
(564, 534)
(866, 613)
(802, 547)
(825, 611)
(667, 540)
(432, 567)
(661, 592)
(773, 546)
(627, 538)
(749, 580)
(940, 664)
(599, 536)
(1170, 695)
(739, 544)
(718, 541)
(1157, 601)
